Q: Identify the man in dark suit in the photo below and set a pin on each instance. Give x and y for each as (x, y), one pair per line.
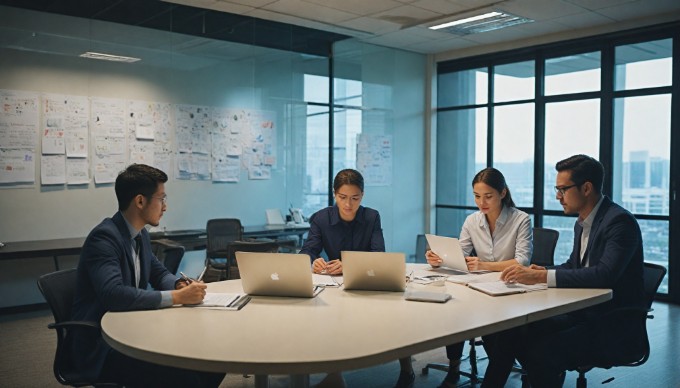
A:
(115, 271)
(607, 253)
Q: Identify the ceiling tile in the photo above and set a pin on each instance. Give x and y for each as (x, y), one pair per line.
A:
(407, 15)
(583, 20)
(438, 46)
(439, 6)
(372, 25)
(359, 7)
(642, 9)
(597, 4)
(310, 11)
(539, 9)
(249, 3)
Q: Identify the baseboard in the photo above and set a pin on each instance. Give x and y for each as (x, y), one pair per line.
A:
(23, 308)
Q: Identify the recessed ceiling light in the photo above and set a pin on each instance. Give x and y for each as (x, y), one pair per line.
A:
(109, 57)
(481, 23)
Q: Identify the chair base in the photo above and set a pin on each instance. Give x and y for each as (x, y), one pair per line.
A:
(473, 378)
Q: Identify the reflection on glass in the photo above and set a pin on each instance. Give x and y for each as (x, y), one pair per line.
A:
(461, 150)
(347, 92)
(513, 150)
(644, 65)
(467, 87)
(315, 187)
(316, 88)
(571, 127)
(514, 81)
(572, 74)
(642, 155)
(449, 221)
(347, 126)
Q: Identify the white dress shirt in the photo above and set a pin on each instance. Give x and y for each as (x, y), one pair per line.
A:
(511, 239)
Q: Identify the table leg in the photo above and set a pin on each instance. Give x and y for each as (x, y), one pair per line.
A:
(261, 381)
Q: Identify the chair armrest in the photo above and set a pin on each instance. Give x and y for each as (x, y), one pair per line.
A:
(68, 324)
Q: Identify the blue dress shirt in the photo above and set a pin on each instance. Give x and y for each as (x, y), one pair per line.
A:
(329, 233)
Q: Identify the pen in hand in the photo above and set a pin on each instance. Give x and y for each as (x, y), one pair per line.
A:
(187, 279)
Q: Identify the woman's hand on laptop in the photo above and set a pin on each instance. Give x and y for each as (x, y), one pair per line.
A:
(433, 259)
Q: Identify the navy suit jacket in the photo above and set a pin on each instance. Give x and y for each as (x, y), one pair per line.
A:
(106, 283)
(328, 232)
(615, 259)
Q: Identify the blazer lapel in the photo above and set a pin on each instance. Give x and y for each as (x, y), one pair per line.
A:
(594, 229)
(125, 236)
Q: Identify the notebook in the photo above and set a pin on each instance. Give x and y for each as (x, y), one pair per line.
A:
(276, 274)
(449, 250)
(373, 271)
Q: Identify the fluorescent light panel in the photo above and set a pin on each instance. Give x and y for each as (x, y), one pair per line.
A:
(481, 23)
(109, 57)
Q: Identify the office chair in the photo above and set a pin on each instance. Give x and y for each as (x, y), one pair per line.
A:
(421, 248)
(220, 232)
(169, 253)
(59, 289)
(653, 275)
(246, 246)
(545, 241)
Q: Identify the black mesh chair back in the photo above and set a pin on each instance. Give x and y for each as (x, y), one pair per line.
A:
(545, 241)
(246, 246)
(222, 231)
(59, 289)
(653, 275)
(169, 253)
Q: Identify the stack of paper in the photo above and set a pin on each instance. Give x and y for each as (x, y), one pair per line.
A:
(222, 301)
(500, 287)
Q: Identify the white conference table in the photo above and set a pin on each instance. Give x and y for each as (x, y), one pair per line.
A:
(337, 330)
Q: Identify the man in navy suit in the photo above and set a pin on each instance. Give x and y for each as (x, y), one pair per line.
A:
(607, 253)
(115, 271)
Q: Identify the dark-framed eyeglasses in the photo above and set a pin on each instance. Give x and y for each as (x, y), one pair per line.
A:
(560, 190)
(164, 199)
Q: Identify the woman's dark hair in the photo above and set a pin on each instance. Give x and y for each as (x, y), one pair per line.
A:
(492, 177)
(583, 169)
(137, 179)
(348, 177)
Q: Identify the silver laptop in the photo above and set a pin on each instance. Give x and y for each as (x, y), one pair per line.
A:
(449, 250)
(374, 271)
(276, 274)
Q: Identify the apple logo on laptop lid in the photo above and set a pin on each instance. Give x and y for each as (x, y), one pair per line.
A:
(370, 272)
(275, 276)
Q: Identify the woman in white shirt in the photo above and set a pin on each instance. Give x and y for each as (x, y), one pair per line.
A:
(499, 235)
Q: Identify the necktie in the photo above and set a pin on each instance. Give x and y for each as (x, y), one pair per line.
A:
(137, 259)
(138, 243)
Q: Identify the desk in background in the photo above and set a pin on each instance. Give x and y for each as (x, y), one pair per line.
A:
(195, 239)
(192, 239)
(337, 330)
(42, 248)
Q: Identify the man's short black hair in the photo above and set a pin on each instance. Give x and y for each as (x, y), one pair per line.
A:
(137, 179)
(583, 169)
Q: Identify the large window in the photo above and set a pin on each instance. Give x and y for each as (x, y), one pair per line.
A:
(610, 97)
